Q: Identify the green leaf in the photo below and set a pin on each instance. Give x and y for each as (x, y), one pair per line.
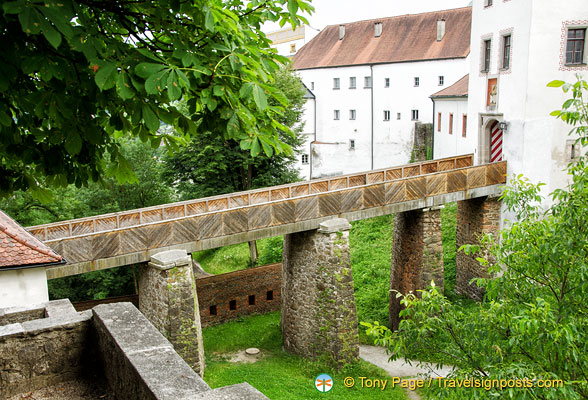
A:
(5, 119)
(173, 87)
(245, 144)
(209, 20)
(555, 83)
(13, 7)
(259, 97)
(148, 54)
(254, 147)
(292, 7)
(150, 118)
(106, 76)
(51, 35)
(233, 126)
(73, 143)
(246, 90)
(156, 82)
(30, 21)
(123, 86)
(145, 70)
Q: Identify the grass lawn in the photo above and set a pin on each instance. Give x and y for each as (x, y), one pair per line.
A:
(279, 375)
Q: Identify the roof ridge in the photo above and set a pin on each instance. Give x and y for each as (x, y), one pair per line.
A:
(395, 16)
(50, 253)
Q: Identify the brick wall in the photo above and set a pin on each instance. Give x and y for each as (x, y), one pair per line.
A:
(229, 296)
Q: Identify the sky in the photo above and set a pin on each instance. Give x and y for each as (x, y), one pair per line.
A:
(331, 12)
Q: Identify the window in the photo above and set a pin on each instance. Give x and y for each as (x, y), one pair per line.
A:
(397, 115)
(311, 85)
(352, 114)
(336, 114)
(438, 122)
(487, 3)
(293, 48)
(336, 83)
(212, 310)
(367, 82)
(416, 80)
(415, 115)
(487, 46)
(269, 295)
(252, 300)
(506, 51)
(464, 125)
(377, 29)
(451, 123)
(441, 80)
(351, 144)
(386, 115)
(305, 159)
(352, 82)
(387, 82)
(233, 305)
(575, 46)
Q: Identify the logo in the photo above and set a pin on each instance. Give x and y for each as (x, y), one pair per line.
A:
(323, 383)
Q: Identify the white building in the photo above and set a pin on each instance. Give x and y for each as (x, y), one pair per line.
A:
(518, 47)
(372, 81)
(288, 41)
(23, 259)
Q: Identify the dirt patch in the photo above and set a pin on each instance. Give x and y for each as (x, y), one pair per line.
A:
(239, 357)
(72, 390)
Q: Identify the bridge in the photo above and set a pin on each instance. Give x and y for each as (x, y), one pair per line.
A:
(318, 303)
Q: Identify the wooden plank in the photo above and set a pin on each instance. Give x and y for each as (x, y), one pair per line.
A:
(496, 173)
(374, 196)
(196, 208)
(76, 249)
(280, 194)
(319, 187)
(259, 217)
(436, 184)
(357, 180)
(57, 232)
(395, 192)
(329, 204)
(210, 226)
(393, 174)
(429, 167)
(173, 212)
(152, 216)
(464, 161)
(105, 245)
(39, 234)
(306, 208)
(351, 200)
(338, 183)
(376, 177)
(218, 204)
(415, 188)
(476, 177)
(81, 228)
(283, 212)
(446, 165)
(410, 171)
(456, 181)
(238, 201)
(104, 224)
(129, 219)
(260, 197)
(134, 239)
(300, 190)
(234, 222)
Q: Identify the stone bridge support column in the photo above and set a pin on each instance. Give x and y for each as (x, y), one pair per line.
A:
(167, 297)
(417, 255)
(319, 317)
(475, 218)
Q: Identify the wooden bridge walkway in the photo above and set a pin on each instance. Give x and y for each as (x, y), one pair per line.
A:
(129, 237)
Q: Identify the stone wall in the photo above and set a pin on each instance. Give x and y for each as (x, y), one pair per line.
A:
(229, 296)
(319, 317)
(423, 139)
(167, 297)
(475, 218)
(35, 353)
(417, 256)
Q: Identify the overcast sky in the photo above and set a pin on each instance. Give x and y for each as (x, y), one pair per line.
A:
(331, 12)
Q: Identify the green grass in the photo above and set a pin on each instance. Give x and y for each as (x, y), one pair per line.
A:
(279, 375)
(236, 257)
(371, 249)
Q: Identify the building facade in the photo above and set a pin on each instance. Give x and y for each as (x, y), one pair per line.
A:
(517, 48)
(372, 81)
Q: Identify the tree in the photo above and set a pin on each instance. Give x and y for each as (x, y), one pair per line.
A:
(212, 164)
(76, 76)
(534, 321)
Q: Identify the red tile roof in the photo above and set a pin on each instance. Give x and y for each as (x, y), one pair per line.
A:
(18, 248)
(458, 89)
(404, 38)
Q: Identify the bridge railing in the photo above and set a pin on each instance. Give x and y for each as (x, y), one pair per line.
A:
(125, 219)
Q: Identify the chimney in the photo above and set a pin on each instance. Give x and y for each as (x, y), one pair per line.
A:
(440, 29)
(341, 31)
(377, 29)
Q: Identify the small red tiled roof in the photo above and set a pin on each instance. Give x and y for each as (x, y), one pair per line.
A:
(458, 89)
(18, 248)
(404, 38)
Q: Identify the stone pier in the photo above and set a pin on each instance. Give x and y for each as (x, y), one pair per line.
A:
(475, 218)
(167, 297)
(319, 318)
(417, 255)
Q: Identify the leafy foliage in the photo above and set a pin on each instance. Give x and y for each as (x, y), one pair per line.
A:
(212, 164)
(534, 321)
(76, 76)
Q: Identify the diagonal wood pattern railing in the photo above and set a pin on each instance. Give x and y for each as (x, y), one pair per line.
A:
(132, 218)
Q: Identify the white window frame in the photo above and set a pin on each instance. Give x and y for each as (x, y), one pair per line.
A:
(351, 144)
(352, 114)
(414, 115)
(336, 115)
(304, 159)
(441, 80)
(387, 82)
(386, 115)
(352, 82)
(367, 82)
(336, 83)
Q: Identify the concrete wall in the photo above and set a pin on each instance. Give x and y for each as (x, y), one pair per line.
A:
(22, 287)
(260, 285)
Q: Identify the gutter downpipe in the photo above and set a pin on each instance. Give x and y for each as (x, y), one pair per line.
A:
(433, 136)
(372, 110)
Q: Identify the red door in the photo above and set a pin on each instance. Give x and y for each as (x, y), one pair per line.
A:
(495, 143)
